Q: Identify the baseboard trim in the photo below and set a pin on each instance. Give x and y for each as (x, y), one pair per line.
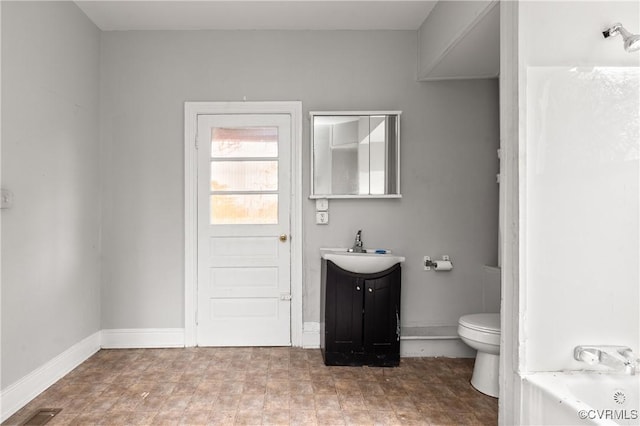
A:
(415, 341)
(24, 390)
(311, 335)
(435, 347)
(127, 338)
(433, 341)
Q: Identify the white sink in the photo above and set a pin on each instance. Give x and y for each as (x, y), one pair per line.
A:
(361, 263)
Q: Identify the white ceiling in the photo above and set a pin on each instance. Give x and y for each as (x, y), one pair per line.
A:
(111, 15)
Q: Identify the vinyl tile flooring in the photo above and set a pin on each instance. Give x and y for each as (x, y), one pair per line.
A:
(260, 386)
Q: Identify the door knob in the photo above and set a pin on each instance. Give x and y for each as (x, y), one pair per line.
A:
(370, 290)
(283, 237)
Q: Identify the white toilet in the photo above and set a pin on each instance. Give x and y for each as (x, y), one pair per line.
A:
(482, 332)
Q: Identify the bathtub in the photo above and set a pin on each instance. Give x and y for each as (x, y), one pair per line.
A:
(581, 398)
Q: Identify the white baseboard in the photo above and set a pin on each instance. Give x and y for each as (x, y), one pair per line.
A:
(433, 341)
(434, 347)
(24, 390)
(143, 338)
(436, 341)
(311, 335)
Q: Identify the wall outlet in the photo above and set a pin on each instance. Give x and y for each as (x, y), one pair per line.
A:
(446, 257)
(322, 218)
(424, 263)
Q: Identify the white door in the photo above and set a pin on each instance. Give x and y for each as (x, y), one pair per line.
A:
(244, 191)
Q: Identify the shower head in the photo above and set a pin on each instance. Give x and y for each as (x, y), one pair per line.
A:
(631, 41)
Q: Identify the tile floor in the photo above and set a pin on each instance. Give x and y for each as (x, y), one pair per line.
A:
(253, 386)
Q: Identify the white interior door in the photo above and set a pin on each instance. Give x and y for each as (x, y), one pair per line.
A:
(244, 191)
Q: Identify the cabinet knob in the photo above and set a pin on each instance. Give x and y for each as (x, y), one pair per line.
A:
(358, 287)
(370, 290)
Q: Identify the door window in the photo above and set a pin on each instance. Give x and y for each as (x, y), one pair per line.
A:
(244, 176)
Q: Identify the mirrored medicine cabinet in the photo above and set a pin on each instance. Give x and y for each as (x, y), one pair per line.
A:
(355, 154)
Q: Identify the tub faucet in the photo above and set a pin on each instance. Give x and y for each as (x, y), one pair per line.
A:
(357, 244)
(616, 358)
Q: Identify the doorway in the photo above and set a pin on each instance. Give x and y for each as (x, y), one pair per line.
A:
(243, 271)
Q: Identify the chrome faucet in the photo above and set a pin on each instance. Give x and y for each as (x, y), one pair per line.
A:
(616, 358)
(357, 244)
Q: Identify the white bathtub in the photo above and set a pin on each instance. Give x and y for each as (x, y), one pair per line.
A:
(581, 398)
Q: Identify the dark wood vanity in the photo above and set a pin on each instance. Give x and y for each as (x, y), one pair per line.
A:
(360, 316)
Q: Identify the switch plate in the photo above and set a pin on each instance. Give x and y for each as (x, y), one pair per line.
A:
(322, 218)
(322, 204)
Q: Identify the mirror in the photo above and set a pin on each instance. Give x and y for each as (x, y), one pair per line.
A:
(355, 154)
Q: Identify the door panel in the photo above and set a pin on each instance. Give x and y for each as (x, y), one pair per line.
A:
(243, 230)
(381, 314)
(249, 278)
(344, 311)
(245, 308)
(248, 250)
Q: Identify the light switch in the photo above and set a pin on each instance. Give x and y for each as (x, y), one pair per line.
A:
(322, 204)
(322, 218)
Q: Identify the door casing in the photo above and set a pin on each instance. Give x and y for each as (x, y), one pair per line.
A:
(191, 112)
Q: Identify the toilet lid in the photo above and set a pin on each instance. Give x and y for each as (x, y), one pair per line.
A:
(488, 323)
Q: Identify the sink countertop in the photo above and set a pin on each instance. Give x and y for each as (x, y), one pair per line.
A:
(361, 263)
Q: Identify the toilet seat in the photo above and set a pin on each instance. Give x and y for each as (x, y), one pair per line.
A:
(485, 323)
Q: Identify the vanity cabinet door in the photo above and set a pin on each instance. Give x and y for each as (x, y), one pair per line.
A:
(343, 318)
(360, 317)
(381, 320)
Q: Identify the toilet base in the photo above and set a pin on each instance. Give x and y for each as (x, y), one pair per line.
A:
(485, 374)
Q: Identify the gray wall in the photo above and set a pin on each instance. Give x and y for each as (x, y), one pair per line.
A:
(449, 138)
(50, 161)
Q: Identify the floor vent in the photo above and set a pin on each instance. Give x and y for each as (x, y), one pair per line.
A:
(42, 416)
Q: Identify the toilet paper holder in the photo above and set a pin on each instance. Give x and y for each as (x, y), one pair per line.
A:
(438, 265)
